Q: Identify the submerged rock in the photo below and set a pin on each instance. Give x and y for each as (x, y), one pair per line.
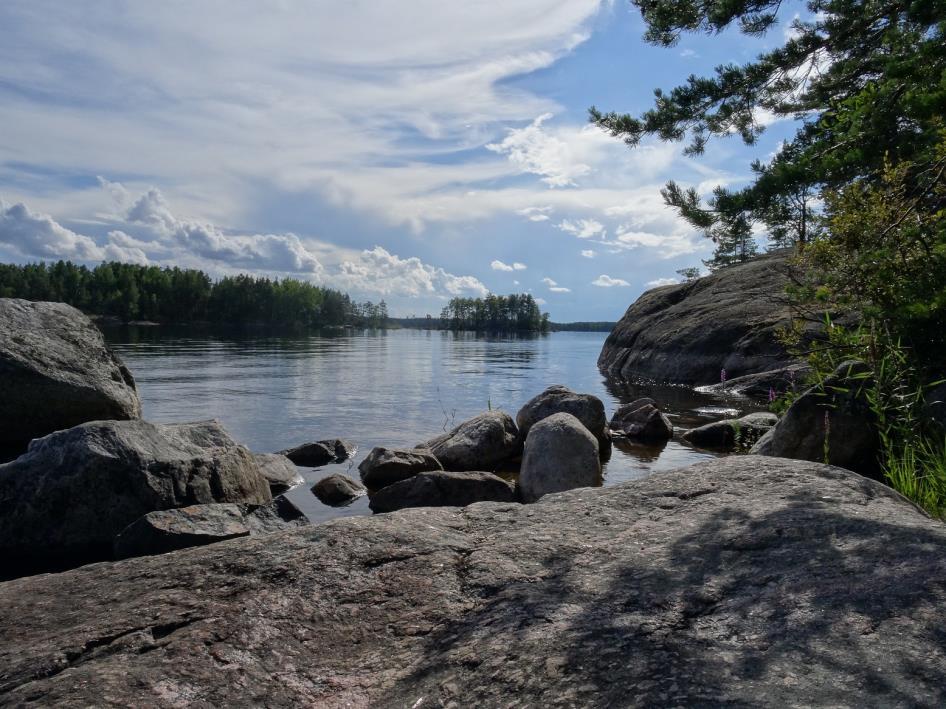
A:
(56, 372)
(279, 471)
(643, 421)
(729, 434)
(338, 490)
(442, 489)
(385, 466)
(560, 454)
(588, 409)
(744, 582)
(75, 490)
(841, 415)
(481, 443)
(319, 453)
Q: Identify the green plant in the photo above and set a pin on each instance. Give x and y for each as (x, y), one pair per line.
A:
(918, 472)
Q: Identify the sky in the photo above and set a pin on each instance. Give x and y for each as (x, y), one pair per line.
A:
(410, 151)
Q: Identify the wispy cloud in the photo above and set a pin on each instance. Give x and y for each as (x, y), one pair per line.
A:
(498, 265)
(605, 281)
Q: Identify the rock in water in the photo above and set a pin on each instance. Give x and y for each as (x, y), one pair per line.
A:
(481, 443)
(687, 333)
(338, 490)
(742, 582)
(279, 471)
(843, 416)
(56, 372)
(642, 421)
(559, 399)
(385, 466)
(170, 530)
(315, 455)
(728, 434)
(441, 489)
(74, 490)
(560, 454)
(763, 385)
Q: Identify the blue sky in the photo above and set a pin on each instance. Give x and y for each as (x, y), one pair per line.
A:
(410, 150)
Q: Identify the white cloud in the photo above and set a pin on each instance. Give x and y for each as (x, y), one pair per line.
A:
(666, 245)
(498, 265)
(560, 289)
(549, 282)
(39, 235)
(535, 214)
(582, 228)
(589, 253)
(377, 270)
(540, 301)
(605, 281)
(657, 282)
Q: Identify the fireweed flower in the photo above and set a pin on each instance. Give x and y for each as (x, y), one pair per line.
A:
(722, 375)
(771, 394)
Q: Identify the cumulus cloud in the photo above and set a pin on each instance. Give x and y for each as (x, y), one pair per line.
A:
(605, 281)
(589, 253)
(554, 287)
(498, 265)
(582, 228)
(39, 235)
(666, 245)
(657, 282)
(534, 150)
(535, 214)
(379, 271)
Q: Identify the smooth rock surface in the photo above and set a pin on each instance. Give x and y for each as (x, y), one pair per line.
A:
(279, 471)
(760, 386)
(557, 399)
(481, 443)
(744, 582)
(729, 434)
(560, 454)
(843, 416)
(641, 420)
(276, 516)
(442, 489)
(687, 333)
(170, 530)
(56, 372)
(319, 453)
(68, 497)
(338, 490)
(385, 466)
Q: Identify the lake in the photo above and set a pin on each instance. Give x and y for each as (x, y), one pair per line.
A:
(391, 388)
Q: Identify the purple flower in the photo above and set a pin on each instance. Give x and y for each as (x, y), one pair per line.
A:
(772, 396)
(722, 375)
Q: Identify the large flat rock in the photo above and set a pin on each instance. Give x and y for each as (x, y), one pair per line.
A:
(745, 582)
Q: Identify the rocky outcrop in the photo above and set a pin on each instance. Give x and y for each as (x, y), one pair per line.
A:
(730, 434)
(337, 490)
(481, 443)
(763, 385)
(55, 373)
(319, 453)
(442, 489)
(559, 399)
(560, 454)
(279, 471)
(744, 582)
(687, 333)
(386, 466)
(838, 412)
(74, 490)
(641, 420)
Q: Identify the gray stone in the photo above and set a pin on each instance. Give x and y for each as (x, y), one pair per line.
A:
(760, 386)
(641, 420)
(385, 466)
(170, 530)
(338, 490)
(319, 453)
(279, 471)
(560, 454)
(842, 415)
(69, 496)
(481, 443)
(687, 333)
(277, 516)
(56, 372)
(741, 582)
(560, 399)
(729, 434)
(442, 489)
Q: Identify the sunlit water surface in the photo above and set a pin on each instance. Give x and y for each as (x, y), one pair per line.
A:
(394, 388)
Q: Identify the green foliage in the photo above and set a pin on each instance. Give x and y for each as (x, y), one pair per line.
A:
(174, 295)
(689, 274)
(866, 77)
(495, 313)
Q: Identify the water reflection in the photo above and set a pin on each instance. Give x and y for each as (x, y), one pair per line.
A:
(273, 390)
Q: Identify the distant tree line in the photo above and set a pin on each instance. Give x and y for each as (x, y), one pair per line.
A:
(175, 295)
(495, 313)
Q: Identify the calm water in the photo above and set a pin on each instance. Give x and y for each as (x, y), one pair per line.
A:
(395, 388)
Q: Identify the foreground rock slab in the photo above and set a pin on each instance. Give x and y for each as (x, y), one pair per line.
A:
(745, 582)
(56, 372)
(68, 497)
(440, 489)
